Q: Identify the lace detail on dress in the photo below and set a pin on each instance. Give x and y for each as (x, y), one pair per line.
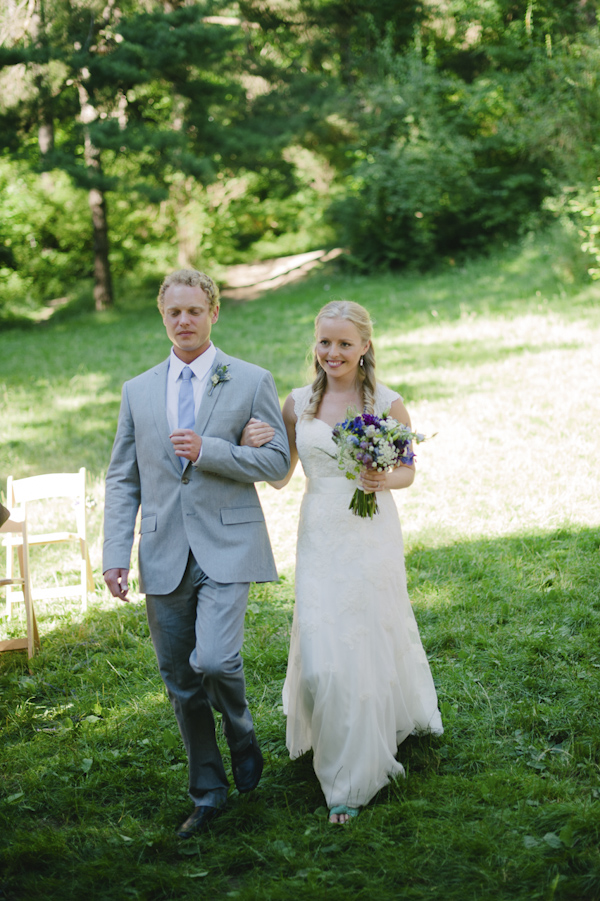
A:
(301, 398)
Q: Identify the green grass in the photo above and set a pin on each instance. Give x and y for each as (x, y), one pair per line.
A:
(502, 530)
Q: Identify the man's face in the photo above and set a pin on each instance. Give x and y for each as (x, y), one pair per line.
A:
(188, 320)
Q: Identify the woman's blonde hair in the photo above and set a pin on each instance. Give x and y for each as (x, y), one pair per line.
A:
(359, 317)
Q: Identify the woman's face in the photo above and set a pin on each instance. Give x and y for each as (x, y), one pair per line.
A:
(339, 347)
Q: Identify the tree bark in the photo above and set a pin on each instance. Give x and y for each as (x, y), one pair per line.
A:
(103, 289)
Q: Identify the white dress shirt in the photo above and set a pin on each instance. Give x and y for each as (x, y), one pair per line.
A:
(201, 368)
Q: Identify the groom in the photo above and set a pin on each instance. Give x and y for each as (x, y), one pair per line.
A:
(177, 454)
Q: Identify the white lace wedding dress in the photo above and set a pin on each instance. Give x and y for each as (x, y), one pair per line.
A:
(358, 681)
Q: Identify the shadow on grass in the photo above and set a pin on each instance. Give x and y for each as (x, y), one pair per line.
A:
(506, 801)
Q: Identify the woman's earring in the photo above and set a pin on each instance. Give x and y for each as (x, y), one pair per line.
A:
(362, 361)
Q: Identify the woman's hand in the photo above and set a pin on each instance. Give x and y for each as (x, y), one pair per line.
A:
(256, 433)
(370, 481)
(400, 477)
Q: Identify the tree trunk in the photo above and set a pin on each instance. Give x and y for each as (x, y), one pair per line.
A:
(186, 217)
(103, 290)
(37, 28)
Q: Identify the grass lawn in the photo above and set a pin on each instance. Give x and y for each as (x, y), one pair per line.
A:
(499, 357)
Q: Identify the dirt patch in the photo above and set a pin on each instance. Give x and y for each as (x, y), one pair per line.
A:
(249, 281)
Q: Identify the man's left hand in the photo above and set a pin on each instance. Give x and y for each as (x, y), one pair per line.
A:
(186, 443)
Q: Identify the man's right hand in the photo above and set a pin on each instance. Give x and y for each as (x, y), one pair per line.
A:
(116, 579)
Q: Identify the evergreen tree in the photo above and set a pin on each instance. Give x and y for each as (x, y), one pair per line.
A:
(132, 97)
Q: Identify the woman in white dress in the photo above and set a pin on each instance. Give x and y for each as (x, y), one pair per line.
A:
(358, 680)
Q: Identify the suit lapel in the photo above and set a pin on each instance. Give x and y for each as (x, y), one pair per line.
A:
(210, 398)
(158, 402)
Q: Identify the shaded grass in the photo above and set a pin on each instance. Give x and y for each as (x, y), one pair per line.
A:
(504, 805)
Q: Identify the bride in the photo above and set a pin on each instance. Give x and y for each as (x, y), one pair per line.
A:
(358, 681)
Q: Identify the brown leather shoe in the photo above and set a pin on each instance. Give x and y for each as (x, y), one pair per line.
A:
(247, 766)
(198, 821)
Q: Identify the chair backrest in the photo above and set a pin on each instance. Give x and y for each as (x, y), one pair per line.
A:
(51, 484)
(20, 492)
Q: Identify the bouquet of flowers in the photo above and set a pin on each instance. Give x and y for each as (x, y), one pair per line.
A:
(372, 442)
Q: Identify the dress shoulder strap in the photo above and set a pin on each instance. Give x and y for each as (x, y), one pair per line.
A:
(384, 398)
(301, 398)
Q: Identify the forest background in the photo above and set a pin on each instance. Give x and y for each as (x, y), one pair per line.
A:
(136, 136)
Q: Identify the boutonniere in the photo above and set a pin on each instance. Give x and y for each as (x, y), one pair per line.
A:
(219, 375)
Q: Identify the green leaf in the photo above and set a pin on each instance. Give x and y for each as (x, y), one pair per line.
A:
(566, 835)
(170, 740)
(552, 839)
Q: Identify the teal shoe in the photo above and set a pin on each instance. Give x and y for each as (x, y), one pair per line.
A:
(342, 809)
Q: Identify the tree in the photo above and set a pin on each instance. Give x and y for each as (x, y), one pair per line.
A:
(133, 102)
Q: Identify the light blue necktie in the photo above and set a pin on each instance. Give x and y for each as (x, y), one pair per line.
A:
(186, 414)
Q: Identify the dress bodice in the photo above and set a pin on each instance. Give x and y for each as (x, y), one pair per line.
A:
(316, 447)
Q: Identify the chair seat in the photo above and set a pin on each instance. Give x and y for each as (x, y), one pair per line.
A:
(47, 538)
(16, 644)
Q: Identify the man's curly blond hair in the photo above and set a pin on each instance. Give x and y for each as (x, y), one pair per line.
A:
(194, 279)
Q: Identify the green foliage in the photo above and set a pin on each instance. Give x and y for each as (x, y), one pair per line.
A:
(44, 232)
(435, 171)
(432, 129)
(585, 210)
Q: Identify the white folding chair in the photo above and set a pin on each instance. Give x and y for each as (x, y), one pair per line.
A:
(48, 487)
(16, 525)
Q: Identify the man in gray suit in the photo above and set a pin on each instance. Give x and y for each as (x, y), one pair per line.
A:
(203, 539)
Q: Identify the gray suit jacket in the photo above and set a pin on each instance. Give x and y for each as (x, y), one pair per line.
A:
(211, 509)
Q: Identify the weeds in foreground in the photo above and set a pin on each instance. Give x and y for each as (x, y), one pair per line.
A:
(505, 805)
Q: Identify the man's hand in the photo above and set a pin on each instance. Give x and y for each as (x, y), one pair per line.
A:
(116, 579)
(186, 443)
(256, 433)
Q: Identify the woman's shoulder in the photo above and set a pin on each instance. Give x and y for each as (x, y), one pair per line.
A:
(385, 396)
(301, 397)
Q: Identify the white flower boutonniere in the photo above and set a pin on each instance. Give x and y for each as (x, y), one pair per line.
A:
(219, 375)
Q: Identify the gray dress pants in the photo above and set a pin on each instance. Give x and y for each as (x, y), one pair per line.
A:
(197, 633)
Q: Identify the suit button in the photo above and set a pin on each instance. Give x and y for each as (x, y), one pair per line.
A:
(185, 481)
